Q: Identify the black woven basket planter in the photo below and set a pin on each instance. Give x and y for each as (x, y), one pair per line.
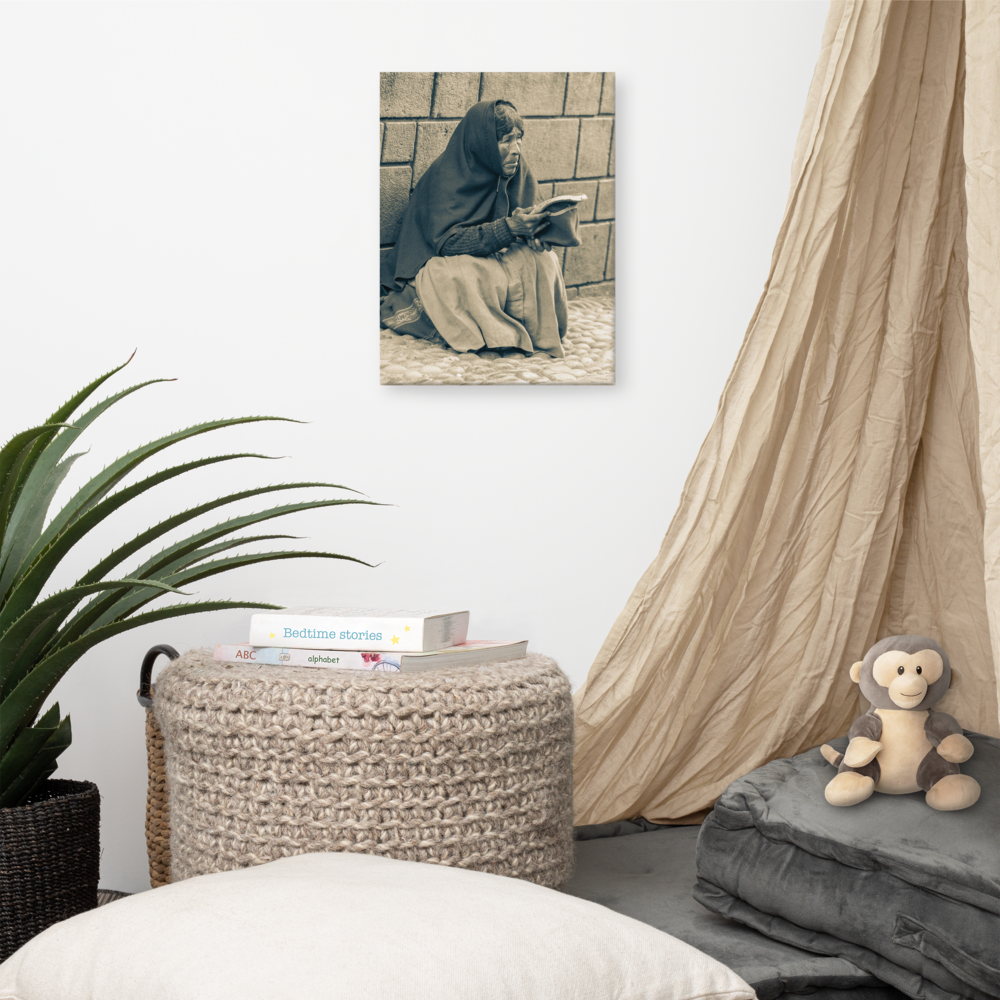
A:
(49, 860)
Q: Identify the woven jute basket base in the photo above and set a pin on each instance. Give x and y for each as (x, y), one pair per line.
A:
(470, 767)
(157, 806)
(49, 860)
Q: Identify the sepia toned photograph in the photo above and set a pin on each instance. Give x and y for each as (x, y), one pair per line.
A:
(497, 228)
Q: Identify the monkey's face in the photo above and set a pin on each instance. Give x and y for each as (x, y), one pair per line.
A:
(909, 672)
(907, 676)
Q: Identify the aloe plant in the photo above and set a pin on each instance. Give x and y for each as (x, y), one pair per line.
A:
(40, 639)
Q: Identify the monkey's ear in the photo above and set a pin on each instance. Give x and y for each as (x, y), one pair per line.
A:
(956, 679)
(856, 671)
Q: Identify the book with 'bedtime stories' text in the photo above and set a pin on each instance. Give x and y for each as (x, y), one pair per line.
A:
(467, 653)
(359, 629)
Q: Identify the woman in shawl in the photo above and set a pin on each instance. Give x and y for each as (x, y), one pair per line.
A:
(468, 262)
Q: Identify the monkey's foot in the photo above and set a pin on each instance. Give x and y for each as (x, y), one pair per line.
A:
(830, 755)
(953, 791)
(849, 788)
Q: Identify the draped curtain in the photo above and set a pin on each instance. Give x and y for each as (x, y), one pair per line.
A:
(849, 487)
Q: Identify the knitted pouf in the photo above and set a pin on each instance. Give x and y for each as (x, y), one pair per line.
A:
(467, 766)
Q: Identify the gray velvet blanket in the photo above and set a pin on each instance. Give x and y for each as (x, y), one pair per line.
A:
(647, 872)
(908, 894)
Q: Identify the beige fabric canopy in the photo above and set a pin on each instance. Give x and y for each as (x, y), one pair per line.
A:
(849, 488)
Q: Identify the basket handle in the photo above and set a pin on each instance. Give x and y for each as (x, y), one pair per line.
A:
(145, 693)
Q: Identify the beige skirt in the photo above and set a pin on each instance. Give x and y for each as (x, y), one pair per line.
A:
(511, 299)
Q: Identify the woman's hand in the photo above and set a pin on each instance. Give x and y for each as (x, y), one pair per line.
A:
(527, 223)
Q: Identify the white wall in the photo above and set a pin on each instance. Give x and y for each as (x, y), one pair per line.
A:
(199, 181)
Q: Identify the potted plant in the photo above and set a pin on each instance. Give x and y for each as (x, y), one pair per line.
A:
(49, 828)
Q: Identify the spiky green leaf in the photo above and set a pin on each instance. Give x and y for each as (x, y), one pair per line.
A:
(71, 404)
(93, 611)
(19, 444)
(137, 597)
(41, 639)
(34, 483)
(31, 528)
(14, 478)
(119, 555)
(39, 766)
(23, 750)
(30, 584)
(19, 708)
(179, 554)
(44, 560)
(100, 485)
(23, 638)
(106, 480)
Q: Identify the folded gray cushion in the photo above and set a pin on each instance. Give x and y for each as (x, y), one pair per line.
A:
(906, 893)
(647, 872)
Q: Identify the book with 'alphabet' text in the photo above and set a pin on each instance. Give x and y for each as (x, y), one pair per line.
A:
(466, 654)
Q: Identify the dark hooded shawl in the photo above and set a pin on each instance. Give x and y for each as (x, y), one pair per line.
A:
(464, 186)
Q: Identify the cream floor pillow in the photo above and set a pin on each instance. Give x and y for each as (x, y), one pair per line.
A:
(359, 927)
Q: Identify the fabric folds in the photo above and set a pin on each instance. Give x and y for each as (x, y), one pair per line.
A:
(515, 299)
(464, 186)
(849, 487)
(909, 894)
(982, 187)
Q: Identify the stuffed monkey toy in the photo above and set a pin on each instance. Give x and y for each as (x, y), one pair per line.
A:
(900, 744)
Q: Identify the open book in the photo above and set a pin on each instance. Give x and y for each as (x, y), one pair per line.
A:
(562, 228)
(559, 204)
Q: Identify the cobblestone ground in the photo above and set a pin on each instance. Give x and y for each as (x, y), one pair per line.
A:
(589, 345)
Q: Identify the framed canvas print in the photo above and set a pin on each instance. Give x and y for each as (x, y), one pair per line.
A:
(497, 228)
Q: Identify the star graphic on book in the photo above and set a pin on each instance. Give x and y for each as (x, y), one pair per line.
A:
(395, 639)
(406, 628)
(272, 635)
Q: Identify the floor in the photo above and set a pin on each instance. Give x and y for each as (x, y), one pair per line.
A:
(109, 896)
(589, 345)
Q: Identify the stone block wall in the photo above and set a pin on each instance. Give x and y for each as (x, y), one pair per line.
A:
(569, 141)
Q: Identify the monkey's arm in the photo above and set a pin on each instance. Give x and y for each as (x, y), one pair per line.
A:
(946, 734)
(864, 745)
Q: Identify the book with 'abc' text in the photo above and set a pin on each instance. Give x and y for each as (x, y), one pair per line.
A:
(467, 653)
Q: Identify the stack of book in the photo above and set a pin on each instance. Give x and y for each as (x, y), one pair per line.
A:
(366, 639)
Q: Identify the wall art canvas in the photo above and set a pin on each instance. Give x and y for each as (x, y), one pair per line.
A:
(497, 228)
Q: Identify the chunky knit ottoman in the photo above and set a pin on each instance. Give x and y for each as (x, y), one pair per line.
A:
(468, 766)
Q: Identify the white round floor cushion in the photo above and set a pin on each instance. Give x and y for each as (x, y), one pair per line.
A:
(359, 927)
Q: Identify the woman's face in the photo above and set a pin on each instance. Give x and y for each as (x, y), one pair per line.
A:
(510, 152)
